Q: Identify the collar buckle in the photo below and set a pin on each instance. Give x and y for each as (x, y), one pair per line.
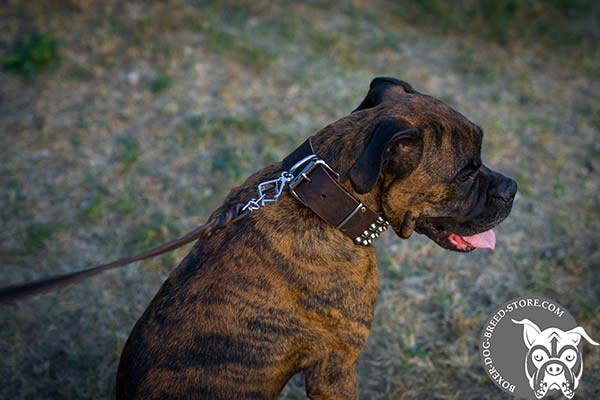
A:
(304, 175)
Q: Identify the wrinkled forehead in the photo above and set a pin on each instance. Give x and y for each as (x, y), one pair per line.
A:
(451, 141)
(456, 136)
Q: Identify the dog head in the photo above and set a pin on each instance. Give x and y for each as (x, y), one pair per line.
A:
(553, 360)
(418, 161)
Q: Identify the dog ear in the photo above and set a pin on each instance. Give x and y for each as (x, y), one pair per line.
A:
(383, 88)
(576, 334)
(530, 331)
(365, 172)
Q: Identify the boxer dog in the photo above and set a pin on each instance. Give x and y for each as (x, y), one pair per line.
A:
(553, 361)
(281, 291)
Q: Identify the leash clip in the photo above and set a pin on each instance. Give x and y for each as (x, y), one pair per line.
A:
(268, 192)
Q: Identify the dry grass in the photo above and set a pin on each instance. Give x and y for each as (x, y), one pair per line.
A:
(156, 110)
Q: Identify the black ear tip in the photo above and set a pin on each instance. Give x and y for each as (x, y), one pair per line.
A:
(386, 80)
(380, 89)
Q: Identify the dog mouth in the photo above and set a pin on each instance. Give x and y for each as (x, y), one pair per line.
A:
(446, 238)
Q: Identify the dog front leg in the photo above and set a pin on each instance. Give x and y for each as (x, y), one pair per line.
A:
(331, 379)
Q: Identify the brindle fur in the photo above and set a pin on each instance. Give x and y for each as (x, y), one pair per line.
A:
(280, 291)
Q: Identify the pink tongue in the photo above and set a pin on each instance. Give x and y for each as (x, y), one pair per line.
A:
(484, 240)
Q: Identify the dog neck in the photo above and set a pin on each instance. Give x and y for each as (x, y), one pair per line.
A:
(315, 184)
(311, 239)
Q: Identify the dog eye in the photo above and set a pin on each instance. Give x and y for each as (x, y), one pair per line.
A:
(467, 173)
(463, 179)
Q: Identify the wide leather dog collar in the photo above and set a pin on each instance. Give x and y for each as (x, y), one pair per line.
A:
(316, 185)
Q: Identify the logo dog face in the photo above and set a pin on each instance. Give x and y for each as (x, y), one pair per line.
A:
(423, 159)
(553, 361)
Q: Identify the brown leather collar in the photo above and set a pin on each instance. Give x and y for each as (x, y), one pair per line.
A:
(315, 184)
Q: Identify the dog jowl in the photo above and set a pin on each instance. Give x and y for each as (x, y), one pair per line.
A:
(281, 291)
(553, 361)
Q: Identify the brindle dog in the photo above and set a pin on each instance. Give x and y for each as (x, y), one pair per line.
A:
(280, 291)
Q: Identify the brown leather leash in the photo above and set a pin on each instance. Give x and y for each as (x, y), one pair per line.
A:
(310, 180)
(21, 291)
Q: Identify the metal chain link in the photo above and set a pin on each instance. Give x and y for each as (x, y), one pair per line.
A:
(274, 188)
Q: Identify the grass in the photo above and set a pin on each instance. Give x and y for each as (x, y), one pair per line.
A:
(96, 165)
(161, 83)
(37, 234)
(29, 57)
(223, 42)
(127, 148)
(551, 23)
(156, 230)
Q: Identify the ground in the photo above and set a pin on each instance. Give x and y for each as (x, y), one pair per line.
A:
(152, 111)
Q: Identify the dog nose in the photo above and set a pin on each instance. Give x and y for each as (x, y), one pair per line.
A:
(504, 189)
(554, 369)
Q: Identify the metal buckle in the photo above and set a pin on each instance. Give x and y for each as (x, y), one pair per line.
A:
(304, 174)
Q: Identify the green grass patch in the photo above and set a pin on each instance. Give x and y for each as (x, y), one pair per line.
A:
(320, 41)
(122, 205)
(30, 56)
(161, 84)
(469, 63)
(93, 207)
(588, 306)
(441, 299)
(523, 182)
(36, 235)
(542, 277)
(227, 161)
(231, 157)
(225, 127)
(156, 230)
(225, 43)
(248, 125)
(127, 148)
(558, 189)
